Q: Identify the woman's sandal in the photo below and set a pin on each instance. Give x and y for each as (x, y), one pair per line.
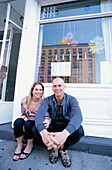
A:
(16, 154)
(26, 155)
(65, 158)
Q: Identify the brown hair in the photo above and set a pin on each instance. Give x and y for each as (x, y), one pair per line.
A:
(31, 94)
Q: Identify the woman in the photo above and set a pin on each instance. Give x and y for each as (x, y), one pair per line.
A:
(24, 125)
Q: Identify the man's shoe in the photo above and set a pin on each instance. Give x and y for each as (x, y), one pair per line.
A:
(53, 156)
(65, 158)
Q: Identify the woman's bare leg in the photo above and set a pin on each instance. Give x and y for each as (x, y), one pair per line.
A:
(28, 148)
(19, 147)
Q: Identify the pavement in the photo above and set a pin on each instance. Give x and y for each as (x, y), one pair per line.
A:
(90, 153)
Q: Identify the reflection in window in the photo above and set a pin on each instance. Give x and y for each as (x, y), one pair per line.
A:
(89, 57)
(79, 50)
(89, 65)
(74, 72)
(41, 79)
(42, 72)
(84, 41)
(90, 80)
(79, 65)
(67, 51)
(53, 78)
(49, 59)
(49, 79)
(74, 65)
(74, 58)
(50, 52)
(89, 50)
(79, 80)
(66, 79)
(61, 58)
(49, 72)
(74, 50)
(79, 72)
(80, 57)
(49, 65)
(54, 59)
(55, 51)
(74, 79)
(66, 58)
(70, 9)
(43, 52)
(61, 51)
(42, 65)
(43, 59)
(90, 72)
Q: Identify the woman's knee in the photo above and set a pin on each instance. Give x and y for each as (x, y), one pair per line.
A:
(18, 127)
(29, 124)
(18, 122)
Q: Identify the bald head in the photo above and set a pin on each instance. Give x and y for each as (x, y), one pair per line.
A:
(58, 79)
(58, 88)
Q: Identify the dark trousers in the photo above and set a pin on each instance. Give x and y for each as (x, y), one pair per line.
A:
(72, 139)
(18, 128)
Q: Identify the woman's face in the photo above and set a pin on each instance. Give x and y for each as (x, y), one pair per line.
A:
(37, 91)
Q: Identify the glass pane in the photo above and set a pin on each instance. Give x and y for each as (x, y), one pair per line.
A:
(3, 10)
(16, 18)
(88, 43)
(12, 67)
(80, 7)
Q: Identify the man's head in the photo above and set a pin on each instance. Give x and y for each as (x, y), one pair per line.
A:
(58, 87)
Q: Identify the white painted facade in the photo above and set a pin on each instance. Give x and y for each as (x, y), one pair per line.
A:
(95, 99)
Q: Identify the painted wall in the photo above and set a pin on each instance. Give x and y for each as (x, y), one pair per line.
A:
(6, 110)
(95, 100)
(96, 105)
(27, 56)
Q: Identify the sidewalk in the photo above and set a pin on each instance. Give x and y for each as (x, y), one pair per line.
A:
(39, 158)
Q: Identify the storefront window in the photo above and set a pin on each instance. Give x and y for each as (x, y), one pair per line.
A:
(3, 69)
(82, 46)
(79, 7)
(11, 21)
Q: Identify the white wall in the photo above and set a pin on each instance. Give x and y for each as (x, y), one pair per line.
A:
(27, 56)
(95, 100)
(6, 110)
(96, 105)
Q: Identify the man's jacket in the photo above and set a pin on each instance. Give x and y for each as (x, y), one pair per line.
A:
(71, 111)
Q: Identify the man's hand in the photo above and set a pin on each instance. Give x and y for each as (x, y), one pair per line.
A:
(48, 140)
(60, 137)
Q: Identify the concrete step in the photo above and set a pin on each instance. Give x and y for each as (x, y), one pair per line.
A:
(89, 144)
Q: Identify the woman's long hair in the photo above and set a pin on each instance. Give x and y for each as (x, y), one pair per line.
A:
(31, 94)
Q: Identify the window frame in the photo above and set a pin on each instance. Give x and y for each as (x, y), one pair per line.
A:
(75, 18)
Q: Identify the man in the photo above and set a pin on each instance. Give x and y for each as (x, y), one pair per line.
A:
(65, 128)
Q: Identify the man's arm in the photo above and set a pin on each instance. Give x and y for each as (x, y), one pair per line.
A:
(76, 116)
(40, 116)
(48, 139)
(60, 137)
(39, 119)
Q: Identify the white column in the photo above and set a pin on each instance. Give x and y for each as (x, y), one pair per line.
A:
(27, 55)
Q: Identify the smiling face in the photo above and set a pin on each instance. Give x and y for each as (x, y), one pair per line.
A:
(37, 91)
(58, 88)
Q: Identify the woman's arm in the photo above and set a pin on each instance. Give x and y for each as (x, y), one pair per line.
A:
(23, 108)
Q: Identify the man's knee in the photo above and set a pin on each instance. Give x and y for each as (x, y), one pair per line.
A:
(80, 131)
(37, 136)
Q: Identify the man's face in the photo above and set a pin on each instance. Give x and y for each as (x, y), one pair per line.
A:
(58, 88)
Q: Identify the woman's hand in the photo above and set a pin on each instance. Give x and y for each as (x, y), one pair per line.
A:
(47, 122)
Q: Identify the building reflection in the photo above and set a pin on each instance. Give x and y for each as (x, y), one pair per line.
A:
(79, 59)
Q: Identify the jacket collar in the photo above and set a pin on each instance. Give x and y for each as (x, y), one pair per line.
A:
(62, 101)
